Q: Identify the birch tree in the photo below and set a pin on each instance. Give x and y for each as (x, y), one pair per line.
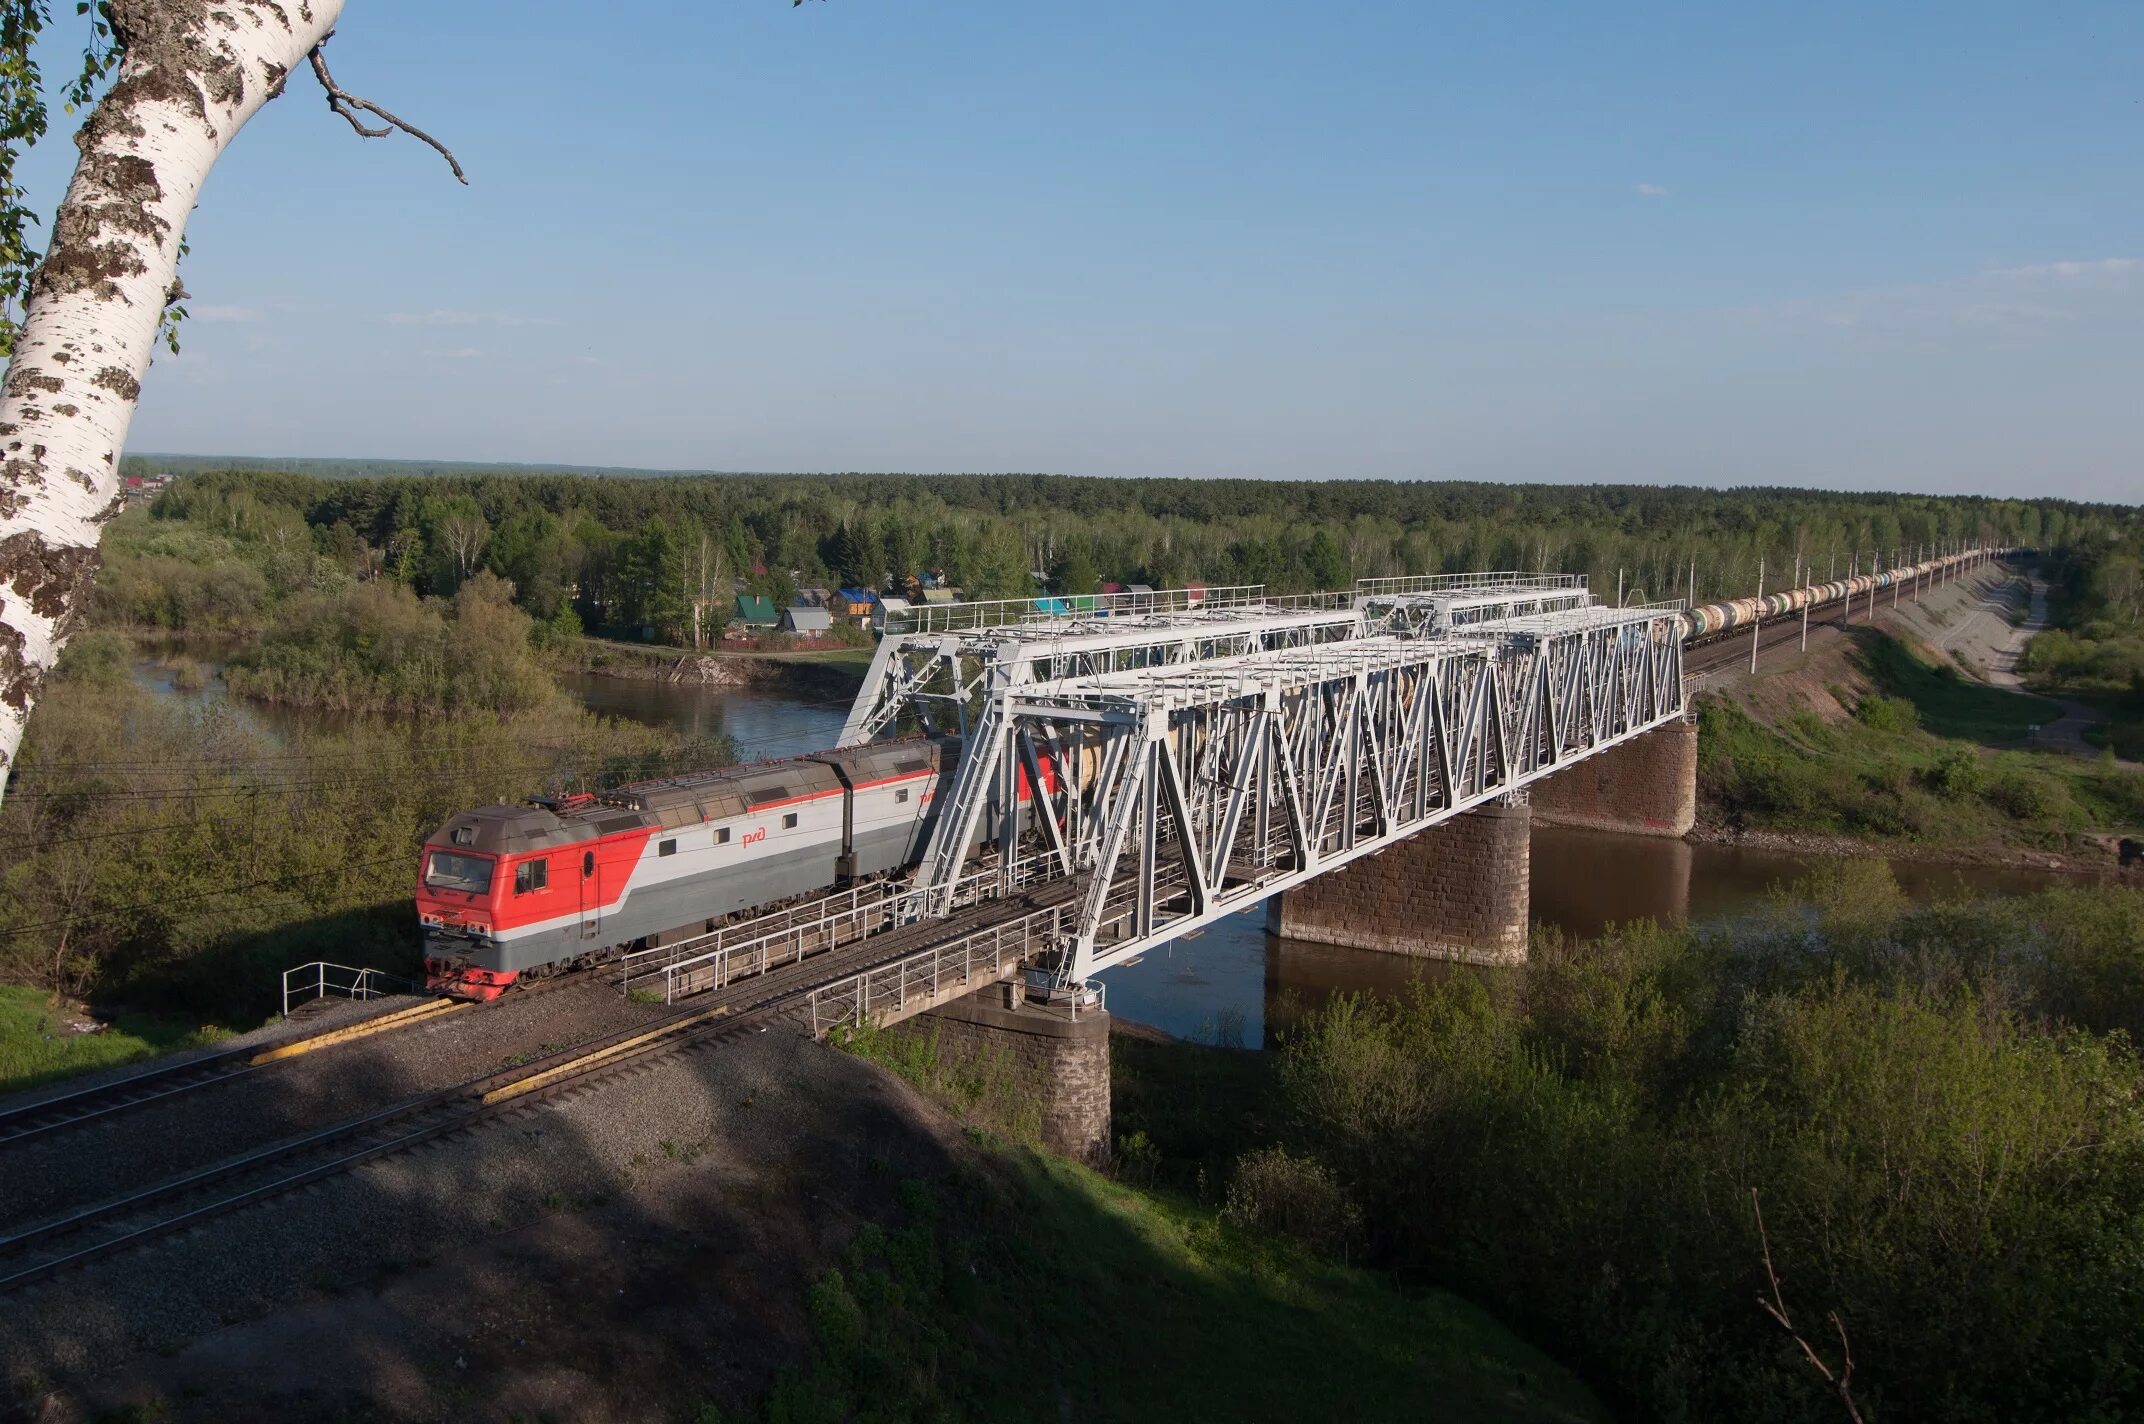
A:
(185, 75)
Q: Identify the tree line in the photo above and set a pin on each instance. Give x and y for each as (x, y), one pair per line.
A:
(663, 557)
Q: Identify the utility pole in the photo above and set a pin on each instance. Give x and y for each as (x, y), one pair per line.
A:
(1757, 620)
(1846, 604)
(1619, 588)
(1897, 555)
(1692, 600)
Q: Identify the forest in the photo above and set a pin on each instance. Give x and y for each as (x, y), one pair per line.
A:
(632, 556)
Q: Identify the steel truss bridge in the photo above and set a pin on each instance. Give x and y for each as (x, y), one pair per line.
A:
(1192, 752)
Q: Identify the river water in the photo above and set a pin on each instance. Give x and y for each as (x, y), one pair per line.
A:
(1235, 983)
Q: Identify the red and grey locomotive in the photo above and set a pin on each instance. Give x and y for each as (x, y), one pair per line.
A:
(504, 891)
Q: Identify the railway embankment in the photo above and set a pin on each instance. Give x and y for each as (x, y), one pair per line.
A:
(1900, 732)
(170, 1134)
(763, 1225)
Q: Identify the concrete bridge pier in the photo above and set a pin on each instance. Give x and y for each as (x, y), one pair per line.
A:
(1458, 891)
(1053, 1052)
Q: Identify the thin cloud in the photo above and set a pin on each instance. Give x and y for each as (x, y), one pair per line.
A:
(1998, 301)
(458, 353)
(445, 316)
(212, 312)
(1651, 190)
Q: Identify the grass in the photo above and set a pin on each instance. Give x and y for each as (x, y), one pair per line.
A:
(37, 1047)
(1916, 762)
(1952, 706)
(1033, 1288)
(1041, 1290)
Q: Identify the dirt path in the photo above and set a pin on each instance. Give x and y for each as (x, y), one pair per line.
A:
(1994, 647)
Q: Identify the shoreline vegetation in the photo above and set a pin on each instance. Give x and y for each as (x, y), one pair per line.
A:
(1933, 1106)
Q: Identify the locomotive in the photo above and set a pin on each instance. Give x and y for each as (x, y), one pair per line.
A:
(564, 882)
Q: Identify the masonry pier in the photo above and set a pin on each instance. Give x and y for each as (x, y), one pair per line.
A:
(1057, 1051)
(1647, 786)
(1458, 890)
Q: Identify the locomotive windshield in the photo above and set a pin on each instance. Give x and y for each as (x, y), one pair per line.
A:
(447, 871)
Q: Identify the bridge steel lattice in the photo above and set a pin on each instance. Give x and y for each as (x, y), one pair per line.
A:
(1204, 759)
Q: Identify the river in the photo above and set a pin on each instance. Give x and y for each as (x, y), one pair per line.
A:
(1235, 983)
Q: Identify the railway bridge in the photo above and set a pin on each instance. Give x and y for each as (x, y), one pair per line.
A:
(1364, 764)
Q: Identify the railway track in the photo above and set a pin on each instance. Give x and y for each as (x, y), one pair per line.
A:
(156, 1084)
(109, 1227)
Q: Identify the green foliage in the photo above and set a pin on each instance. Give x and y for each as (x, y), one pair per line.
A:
(377, 647)
(1887, 776)
(1886, 714)
(1936, 1105)
(1279, 1193)
(987, 1087)
(1114, 1304)
(180, 855)
(37, 1045)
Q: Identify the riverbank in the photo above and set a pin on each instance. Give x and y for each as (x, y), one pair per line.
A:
(817, 671)
(2097, 857)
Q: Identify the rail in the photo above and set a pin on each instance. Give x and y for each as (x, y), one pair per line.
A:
(347, 980)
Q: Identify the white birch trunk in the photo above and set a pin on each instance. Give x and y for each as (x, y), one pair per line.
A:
(193, 72)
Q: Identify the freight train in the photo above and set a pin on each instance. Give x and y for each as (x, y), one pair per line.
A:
(565, 882)
(1711, 618)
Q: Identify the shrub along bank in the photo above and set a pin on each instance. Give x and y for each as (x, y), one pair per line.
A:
(1922, 758)
(1938, 1109)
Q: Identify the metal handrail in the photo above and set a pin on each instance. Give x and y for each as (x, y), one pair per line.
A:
(928, 973)
(348, 980)
(739, 951)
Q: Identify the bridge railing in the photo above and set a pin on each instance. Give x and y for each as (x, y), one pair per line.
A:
(1465, 583)
(931, 976)
(721, 957)
(1007, 612)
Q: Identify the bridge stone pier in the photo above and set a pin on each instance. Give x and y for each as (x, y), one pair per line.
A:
(1457, 891)
(1647, 787)
(1059, 1056)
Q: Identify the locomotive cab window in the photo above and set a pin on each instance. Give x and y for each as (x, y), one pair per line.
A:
(588, 862)
(531, 875)
(666, 847)
(722, 835)
(901, 796)
(444, 870)
(789, 821)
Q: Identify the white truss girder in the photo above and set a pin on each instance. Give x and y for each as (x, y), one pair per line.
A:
(1188, 789)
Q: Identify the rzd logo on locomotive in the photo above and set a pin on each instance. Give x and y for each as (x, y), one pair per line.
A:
(755, 835)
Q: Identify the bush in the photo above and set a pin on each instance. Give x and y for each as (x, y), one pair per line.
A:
(2023, 795)
(1962, 1181)
(1886, 714)
(1297, 1197)
(1956, 774)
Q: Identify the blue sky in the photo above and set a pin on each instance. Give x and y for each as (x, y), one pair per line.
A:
(1889, 246)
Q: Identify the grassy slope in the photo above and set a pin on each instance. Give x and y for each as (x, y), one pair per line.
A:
(37, 1046)
(1928, 759)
